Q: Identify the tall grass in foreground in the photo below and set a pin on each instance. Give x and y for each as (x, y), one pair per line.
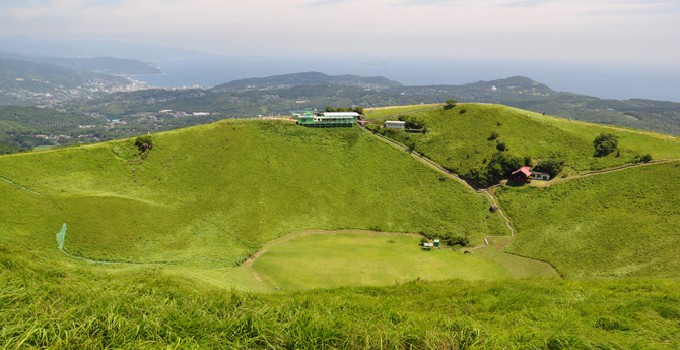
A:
(50, 306)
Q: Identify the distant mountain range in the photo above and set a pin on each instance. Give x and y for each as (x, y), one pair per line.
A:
(106, 65)
(517, 91)
(67, 89)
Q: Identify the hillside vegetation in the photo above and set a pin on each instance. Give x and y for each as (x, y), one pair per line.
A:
(208, 197)
(156, 243)
(610, 225)
(465, 138)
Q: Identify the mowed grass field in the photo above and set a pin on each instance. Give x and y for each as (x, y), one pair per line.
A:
(208, 197)
(332, 259)
(612, 225)
(460, 138)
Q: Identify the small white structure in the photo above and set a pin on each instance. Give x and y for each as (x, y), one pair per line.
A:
(341, 114)
(395, 124)
(540, 176)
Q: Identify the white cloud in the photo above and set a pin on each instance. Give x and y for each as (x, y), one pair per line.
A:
(36, 9)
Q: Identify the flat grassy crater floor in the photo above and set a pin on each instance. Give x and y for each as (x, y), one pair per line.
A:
(326, 259)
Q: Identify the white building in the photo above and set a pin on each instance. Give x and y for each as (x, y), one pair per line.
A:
(395, 124)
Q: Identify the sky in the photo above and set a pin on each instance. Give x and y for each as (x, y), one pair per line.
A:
(592, 31)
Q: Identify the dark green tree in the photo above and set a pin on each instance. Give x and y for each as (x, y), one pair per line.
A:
(450, 104)
(605, 144)
(500, 146)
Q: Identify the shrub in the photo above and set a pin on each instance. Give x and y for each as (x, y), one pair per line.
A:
(411, 146)
(494, 135)
(450, 104)
(645, 158)
(500, 146)
(144, 143)
(451, 239)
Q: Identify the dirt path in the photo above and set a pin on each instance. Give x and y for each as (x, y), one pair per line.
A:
(500, 211)
(602, 171)
(257, 277)
(18, 186)
(430, 163)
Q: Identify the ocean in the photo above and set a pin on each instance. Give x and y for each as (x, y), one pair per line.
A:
(612, 81)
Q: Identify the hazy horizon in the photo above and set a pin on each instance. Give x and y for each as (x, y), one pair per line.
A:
(610, 49)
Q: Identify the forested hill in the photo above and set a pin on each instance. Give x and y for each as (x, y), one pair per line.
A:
(307, 78)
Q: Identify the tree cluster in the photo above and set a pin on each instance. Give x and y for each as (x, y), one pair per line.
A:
(499, 167)
(413, 123)
(553, 165)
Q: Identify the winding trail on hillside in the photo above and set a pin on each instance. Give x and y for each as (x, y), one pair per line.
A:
(488, 191)
(430, 163)
(604, 171)
(18, 186)
(500, 211)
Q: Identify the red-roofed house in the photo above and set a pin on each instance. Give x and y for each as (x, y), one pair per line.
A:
(522, 174)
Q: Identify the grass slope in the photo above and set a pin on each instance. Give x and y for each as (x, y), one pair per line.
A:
(623, 223)
(45, 304)
(395, 111)
(208, 197)
(459, 138)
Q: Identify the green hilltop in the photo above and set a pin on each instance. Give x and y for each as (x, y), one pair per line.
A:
(255, 234)
(465, 138)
